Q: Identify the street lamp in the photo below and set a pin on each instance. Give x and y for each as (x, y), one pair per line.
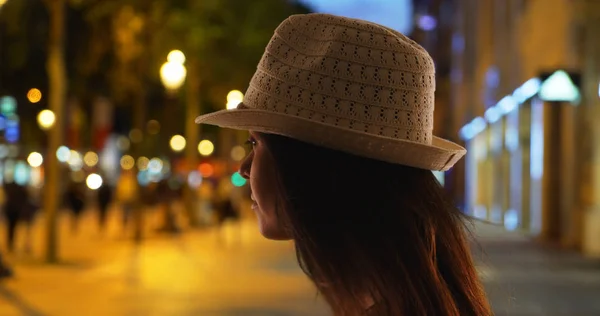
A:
(234, 98)
(172, 76)
(173, 72)
(46, 119)
(177, 143)
(206, 147)
(35, 159)
(176, 56)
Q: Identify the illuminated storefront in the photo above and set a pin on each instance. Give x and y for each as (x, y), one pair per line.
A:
(519, 165)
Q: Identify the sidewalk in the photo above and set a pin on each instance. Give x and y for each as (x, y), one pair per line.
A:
(525, 278)
(196, 273)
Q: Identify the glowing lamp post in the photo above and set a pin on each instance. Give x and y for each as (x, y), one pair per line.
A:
(234, 97)
(177, 143)
(173, 72)
(172, 76)
(46, 119)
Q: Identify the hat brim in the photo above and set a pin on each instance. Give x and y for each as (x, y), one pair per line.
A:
(441, 155)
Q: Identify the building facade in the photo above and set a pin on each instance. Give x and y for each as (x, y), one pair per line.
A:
(534, 161)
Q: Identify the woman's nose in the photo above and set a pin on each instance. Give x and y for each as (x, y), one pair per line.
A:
(245, 166)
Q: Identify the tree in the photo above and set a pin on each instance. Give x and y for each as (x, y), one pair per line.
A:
(223, 40)
(57, 83)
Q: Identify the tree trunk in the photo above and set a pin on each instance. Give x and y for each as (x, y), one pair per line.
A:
(55, 66)
(192, 136)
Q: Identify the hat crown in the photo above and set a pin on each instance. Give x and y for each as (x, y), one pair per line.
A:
(348, 73)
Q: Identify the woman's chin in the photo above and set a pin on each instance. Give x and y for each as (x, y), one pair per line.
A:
(273, 233)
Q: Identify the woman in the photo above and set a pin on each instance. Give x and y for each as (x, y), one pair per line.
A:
(340, 114)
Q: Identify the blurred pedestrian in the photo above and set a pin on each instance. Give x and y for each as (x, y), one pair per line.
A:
(15, 206)
(224, 206)
(105, 195)
(75, 197)
(350, 181)
(165, 198)
(126, 194)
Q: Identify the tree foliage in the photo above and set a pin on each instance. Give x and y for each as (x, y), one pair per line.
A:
(116, 47)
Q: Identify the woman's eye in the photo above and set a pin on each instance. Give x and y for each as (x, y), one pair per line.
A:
(251, 142)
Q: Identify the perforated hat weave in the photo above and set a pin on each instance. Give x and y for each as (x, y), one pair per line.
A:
(349, 85)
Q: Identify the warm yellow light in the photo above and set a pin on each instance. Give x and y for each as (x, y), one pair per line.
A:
(90, 159)
(206, 147)
(75, 161)
(94, 181)
(123, 143)
(34, 95)
(46, 119)
(176, 56)
(127, 162)
(172, 75)
(35, 159)
(238, 153)
(177, 143)
(142, 163)
(234, 98)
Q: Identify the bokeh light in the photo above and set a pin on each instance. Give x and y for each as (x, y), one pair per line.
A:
(127, 162)
(206, 170)
(172, 75)
(206, 147)
(90, 159)
(238, 153)
(237, 180)
(21, 173)
(177, 143)
(34, 95)
(63, 154)
(94, 181)
(143, 178)
(142, 163)
(155, 166)
(176, 56)
(46, 119)
(123, 143)
(36, 178)
(194, 179)
(35, 159)
(75, 161)
(234, 98)
(8, 105)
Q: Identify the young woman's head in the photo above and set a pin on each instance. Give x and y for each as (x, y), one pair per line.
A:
(365, 231)
(351, 183)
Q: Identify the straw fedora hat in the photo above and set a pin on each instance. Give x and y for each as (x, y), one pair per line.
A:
(349, 85)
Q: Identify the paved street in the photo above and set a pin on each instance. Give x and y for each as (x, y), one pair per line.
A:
(200, 273)
(526, 279)
(236, 272)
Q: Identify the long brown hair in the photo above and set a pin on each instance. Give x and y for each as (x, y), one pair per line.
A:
(367, 230)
